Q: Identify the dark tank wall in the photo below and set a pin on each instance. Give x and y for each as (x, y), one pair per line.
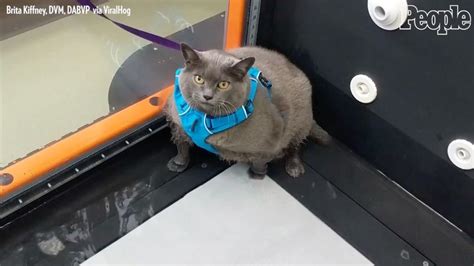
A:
(425, 84)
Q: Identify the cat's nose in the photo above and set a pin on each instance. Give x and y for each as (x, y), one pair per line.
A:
(207, 97)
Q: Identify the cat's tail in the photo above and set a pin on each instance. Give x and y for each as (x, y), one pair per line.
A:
(319, 135)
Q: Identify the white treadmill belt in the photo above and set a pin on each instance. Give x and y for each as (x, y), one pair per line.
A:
(232, 220)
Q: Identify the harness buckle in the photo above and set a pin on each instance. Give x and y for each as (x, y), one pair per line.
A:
(265, 82)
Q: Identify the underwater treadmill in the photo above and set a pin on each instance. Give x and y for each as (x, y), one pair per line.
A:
(383, 192)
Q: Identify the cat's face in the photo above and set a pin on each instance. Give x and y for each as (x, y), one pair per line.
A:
(213, 81)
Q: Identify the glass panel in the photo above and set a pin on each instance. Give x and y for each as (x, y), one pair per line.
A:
(61, 72)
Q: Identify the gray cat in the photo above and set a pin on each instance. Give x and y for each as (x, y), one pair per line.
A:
(216, 83)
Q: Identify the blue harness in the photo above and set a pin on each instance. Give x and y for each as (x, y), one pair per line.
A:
(199, 126)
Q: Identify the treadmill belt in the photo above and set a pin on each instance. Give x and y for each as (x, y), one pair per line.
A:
(232, 219)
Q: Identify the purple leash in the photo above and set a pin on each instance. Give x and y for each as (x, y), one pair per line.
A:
(143, 34)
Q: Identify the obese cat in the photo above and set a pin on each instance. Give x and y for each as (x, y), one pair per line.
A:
(216, 83)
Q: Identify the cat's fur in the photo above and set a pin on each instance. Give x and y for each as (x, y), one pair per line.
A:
(277, 127)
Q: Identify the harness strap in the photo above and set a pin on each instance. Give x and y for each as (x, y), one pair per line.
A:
(223, 123)
(199, 126)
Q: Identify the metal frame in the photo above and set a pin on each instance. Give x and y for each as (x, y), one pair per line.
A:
(253, 19)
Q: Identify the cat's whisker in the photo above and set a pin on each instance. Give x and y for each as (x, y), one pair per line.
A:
(224, 109)
(219, 109)
(221, 103)
(232, 107)
(227, 109)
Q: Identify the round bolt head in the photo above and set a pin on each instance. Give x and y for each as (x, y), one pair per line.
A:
(363, 89)
(388, 14)
(6, 179)
(461, 154)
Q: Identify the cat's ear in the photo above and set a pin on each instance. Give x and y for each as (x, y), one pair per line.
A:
(191, 57)
(241, 68)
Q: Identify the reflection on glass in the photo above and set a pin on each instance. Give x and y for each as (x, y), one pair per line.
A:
(74, 241)
(56, 71)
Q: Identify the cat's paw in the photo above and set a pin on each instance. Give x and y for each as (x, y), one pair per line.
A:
(176, 165)
(254, 175)
(294, 168)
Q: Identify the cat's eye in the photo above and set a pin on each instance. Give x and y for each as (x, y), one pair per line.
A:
(223, 85)
(198, 79)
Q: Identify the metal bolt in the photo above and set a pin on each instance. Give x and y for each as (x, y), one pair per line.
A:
(155, 101)
(463, 154)
(6, 179)
(204, 165)
(405, 254)
(363, 88)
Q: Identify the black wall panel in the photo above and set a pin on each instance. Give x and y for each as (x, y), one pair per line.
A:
(425, 91)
